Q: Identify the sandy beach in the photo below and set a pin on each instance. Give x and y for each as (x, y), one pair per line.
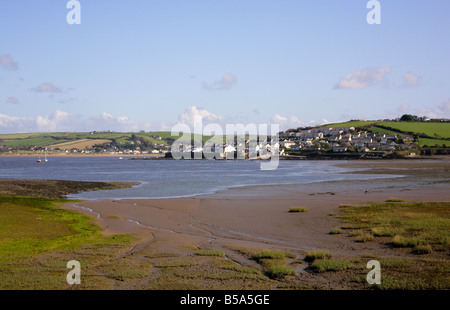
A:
(258, 217)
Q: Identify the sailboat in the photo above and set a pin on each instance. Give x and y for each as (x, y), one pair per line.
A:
(45, 159)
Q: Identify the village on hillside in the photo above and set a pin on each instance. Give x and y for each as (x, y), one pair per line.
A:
(353, 139)
(345, 139)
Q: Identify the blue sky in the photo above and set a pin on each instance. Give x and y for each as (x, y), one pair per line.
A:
(149, 64)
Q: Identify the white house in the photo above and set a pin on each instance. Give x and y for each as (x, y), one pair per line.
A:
(339, 149)
(287, 144)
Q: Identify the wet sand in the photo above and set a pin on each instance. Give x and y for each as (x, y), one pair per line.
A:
(259, 217)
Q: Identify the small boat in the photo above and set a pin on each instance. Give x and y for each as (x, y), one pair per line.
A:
(120, 157)
(39, 160)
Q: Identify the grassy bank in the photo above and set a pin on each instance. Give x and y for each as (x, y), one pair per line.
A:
(54, 188)
(418, 227)
(417, 233)
(37, 239)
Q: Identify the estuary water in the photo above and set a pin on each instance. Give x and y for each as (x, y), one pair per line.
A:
(172, 178)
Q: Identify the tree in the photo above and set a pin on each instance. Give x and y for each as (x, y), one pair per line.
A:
(408, 118)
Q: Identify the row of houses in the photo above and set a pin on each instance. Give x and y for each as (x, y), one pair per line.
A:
(342, 139)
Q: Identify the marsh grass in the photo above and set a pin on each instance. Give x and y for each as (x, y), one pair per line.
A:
(273, 263)
(414, 274)
(403, 225)
(298, 210)
(37, 239)
(336, 231)
(126, 269)
(207, 272)
(422, 249)
(325, 265)
(209, 253)
(269, 255)
(280, 271)
(314, 255)
(29, 226)
(177, 263)
(365, 237)
(54, 188)
(393, 199)
(386, 231)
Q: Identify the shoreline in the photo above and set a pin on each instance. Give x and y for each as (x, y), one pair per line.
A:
(338, 157)
(258, 216)
(173, 238)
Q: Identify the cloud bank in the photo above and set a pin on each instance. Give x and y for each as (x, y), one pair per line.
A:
(12, 100)
(61, 121)
(6, 62)
(47, 88)
(411, 80)
(226, 82)
(364, 78)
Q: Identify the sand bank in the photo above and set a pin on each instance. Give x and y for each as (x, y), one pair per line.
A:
(259, 216)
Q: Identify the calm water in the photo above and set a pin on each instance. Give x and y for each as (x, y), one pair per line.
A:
(171, 178)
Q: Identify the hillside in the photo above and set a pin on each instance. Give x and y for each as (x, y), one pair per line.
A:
(91, 142)
(427, 133)
(424, 133)
(70, 141)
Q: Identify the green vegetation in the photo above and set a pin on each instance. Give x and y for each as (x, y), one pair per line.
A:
(426, 133)
(269, 255)
(274, 263)
(209, 253)
(414, 274)
(37, 239)
(428, 128)
(364, 237)
(314, 255)
(349, 124)
(433, 142)
(81, 141)
(29, 226)
(336, 231)
(54, 188)
(422, 249)
(386, 231)
(325, 265)
(403, 225)
(297, 209)
(280, 271)
(392, 199)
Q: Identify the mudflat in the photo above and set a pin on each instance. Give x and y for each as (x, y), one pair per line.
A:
(258, 217)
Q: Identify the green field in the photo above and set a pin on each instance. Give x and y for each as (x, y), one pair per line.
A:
(428, 128)
(49, 139)
(348, 124)
(436, 132)
(42, 140)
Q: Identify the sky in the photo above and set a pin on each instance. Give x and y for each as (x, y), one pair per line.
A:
(151, 64)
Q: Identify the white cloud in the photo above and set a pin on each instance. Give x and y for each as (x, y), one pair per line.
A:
(226, 82)
(57, 121)
(364, 78)
(47, 88)
(403, 108)
(60, 121)
(192, 114)
(411, 80)
(12, 124)
(12, 100)
(107, 121)
(290, 122)
(6, 62)
(440, 111)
